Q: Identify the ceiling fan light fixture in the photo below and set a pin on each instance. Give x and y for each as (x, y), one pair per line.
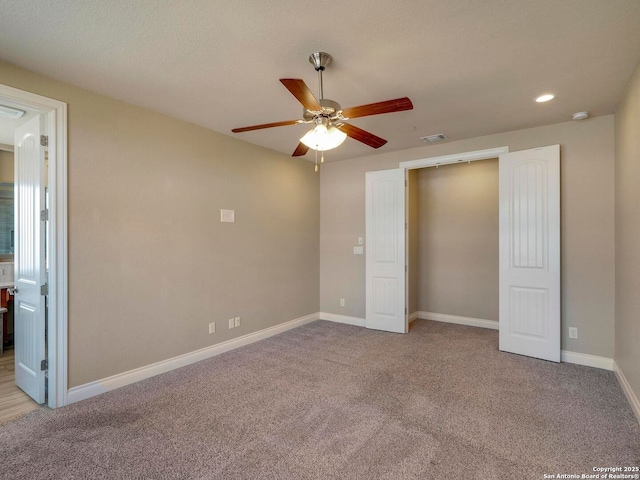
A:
(322, 138)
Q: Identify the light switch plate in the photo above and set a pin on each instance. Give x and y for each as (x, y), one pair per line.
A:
(227, 216)
(358, 250)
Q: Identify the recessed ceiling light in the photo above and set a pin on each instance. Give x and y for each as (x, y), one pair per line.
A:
(545, 98)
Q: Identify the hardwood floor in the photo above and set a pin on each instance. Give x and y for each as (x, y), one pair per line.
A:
(13, 402)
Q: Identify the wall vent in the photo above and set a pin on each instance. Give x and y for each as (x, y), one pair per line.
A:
(434, 138)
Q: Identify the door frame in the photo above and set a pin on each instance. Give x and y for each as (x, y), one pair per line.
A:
(454, 158)
(55, 113)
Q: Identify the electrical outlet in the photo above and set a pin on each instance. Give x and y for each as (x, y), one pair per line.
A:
(359, 240)
(237, 321)
(342, 302)
(212, 327)
(232, 323)
(573, 332)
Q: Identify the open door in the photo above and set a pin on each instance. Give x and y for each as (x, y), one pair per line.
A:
(385, 259)
(530, 252)
(29, 299)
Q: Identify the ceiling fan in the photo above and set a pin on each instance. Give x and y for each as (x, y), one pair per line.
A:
(328, 117)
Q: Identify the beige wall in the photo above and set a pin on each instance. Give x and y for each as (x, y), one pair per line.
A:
(627, 121)
(458, 240)
(6, 166)
(587, 228)
(150, 264)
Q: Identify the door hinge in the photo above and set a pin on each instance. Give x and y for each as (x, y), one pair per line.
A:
(44, 215)
(405, 310)
(405, 269)
(44, 140)
(44, 365)
(405, 183)
(44, 289)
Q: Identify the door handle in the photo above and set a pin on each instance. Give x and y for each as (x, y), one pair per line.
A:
(12, 291)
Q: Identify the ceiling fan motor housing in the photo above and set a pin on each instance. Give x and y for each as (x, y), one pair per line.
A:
(330, 109)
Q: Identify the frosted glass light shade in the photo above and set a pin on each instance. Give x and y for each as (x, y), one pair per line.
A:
(322, 138)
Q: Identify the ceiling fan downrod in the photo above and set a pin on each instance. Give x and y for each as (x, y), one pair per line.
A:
(320, 60)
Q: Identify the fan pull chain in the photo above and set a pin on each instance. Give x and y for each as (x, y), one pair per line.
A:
(316, 160)
(322, 156)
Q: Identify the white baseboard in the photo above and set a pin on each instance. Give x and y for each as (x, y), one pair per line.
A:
(587, 360)
(566, 355)
(628, 391)
(335, 317)
(471, 322)
(97, 387)
(357, 321)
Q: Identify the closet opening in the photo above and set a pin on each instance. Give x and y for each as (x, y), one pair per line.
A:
(457, 274)
(453, 243)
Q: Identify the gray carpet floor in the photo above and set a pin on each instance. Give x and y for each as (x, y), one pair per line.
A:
(332, 401)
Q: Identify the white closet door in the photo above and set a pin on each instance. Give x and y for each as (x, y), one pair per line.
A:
(530, 252)
(385, 263)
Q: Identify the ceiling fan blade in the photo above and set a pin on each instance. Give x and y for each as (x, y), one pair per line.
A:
(362, 135)
(299, 89)
(397, 105)
(265, 125)
(300, 150)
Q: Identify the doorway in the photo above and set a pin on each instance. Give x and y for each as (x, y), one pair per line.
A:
(53, 123)
(529, 247)
(387, 198)
(13, 401)
(453, 254)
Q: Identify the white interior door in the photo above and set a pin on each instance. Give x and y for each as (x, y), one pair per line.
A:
(530, 252)
(385, 251)
(29, 303)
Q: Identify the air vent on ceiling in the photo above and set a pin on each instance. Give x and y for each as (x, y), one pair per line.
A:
(434, 138)
(8, 112)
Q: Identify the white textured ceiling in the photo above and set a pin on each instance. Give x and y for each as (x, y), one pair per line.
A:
(471, 67)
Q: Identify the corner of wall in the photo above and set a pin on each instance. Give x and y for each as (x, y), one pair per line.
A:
(634, 402)
(627, 249)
